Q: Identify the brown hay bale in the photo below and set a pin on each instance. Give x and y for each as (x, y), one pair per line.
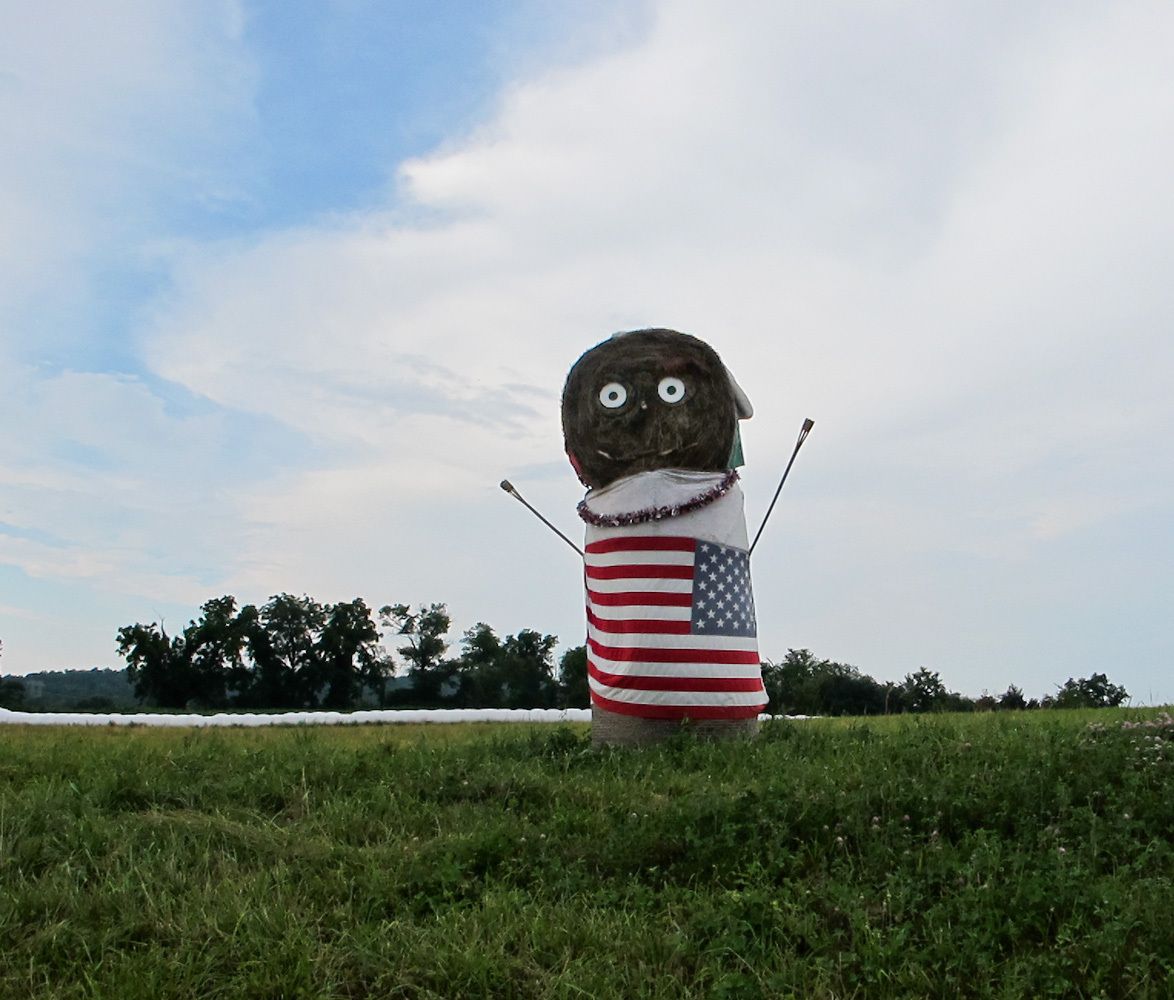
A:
(617, 730)
(646, 424)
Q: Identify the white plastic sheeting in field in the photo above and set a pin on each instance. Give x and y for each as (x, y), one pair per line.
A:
(380, 717)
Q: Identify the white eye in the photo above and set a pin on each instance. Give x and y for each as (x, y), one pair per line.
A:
(672, 390)
(613, 395)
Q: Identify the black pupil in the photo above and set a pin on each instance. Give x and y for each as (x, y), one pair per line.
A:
(671, 390)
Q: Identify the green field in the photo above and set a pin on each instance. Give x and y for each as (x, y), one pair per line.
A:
(1005, 855)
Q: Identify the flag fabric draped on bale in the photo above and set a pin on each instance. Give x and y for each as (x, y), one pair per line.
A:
(671, 627)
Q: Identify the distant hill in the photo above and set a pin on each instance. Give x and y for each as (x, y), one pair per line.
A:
(102, 689)
(99, 689)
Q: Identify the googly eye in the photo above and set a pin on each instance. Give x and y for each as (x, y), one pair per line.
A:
(613, 395)
(671, 390)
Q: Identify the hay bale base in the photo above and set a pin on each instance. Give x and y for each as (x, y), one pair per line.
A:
(616, 730)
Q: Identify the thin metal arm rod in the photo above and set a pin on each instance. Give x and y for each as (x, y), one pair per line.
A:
(509, 488)
(807, 425)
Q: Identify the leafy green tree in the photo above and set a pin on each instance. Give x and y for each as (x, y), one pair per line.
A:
(790, 685)
(157, 665)
(527, 670)
(574, 691)
(923, 691)
(803, 684)
(188, 669)
(844, 690)
(1096, 691)
(514, 672)
(215, 646)
(262, 680)
(286, 657)
(424, 647)
(291, 653)
(1012, 699)
(269, 680)
(424, 631)
(349, 653)
(12, 694)
(476, 669)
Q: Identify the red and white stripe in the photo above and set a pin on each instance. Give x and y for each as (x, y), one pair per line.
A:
(642, 658)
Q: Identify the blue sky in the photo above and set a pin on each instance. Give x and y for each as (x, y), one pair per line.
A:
(286, 288)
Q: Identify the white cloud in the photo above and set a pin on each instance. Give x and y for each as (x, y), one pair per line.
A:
(97, 565)
(107, 486)
(111, 119)
(735, 176)
(106, 114)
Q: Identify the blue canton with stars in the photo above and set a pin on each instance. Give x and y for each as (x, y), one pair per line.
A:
(723, 603)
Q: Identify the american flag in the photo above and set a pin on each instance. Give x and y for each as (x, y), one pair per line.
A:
(671, 631)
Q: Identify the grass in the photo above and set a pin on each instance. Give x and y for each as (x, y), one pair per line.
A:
(1002, 855)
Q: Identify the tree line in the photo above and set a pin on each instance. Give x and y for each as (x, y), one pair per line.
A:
(296, 653)
(803, 684)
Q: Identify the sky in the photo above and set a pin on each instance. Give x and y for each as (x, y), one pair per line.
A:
(288, 287)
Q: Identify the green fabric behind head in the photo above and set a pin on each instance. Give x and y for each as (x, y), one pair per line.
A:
(736, 457)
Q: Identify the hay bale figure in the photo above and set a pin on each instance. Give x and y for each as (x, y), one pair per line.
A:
(650, 422)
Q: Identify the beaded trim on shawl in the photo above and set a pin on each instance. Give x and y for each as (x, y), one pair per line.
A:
(642, 516)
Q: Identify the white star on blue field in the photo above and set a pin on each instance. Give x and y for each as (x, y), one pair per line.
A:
(723, 598)
(286, 289)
